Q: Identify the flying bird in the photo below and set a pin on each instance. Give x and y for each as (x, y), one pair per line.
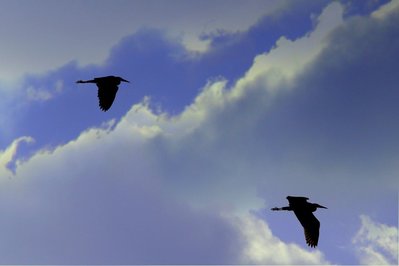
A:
(107, 89)
(304, 212)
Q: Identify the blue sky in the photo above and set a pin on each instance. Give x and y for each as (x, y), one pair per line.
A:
(232, 106)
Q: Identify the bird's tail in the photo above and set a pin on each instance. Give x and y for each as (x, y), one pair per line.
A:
(276, 209)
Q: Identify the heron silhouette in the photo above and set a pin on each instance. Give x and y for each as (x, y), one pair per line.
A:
(304, 212)
(107, 89)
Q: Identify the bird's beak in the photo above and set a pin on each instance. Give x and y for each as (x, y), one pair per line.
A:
(319, 206)
(124, 80)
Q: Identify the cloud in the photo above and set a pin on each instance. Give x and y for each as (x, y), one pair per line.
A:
(152, 187)
(78, 30)
(261, 247)
(86, 202)
(99, 199)
(148, 188)
(44, 94)
(376, 243)
(386, 9)
(9, 155)
(175, 68)
(289, 58)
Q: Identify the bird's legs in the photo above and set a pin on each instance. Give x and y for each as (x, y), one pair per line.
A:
(86, 81)
(282, 209)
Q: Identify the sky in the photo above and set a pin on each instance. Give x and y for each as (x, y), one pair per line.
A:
(232, 106)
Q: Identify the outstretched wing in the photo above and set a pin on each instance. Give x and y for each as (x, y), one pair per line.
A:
(106, 95)
(310, 225)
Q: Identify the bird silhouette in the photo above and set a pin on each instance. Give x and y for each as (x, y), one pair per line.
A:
(107, 89)
(304, 212)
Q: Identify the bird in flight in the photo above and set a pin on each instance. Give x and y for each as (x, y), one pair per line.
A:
(304, 212)
(107, 89)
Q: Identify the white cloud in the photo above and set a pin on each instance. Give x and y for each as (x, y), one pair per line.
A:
(279, 67)
(44, 94)
(8, 155)
(386, 9)
(261, 247)
(376, 243)
(38, 94)
(274, 69)
(116, 159)
(100, 199)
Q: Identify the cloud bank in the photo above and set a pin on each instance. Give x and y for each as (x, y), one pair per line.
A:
(153, 187)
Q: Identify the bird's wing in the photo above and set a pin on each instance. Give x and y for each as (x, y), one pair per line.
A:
(106, 95)
(296, 200)
(310, 225)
